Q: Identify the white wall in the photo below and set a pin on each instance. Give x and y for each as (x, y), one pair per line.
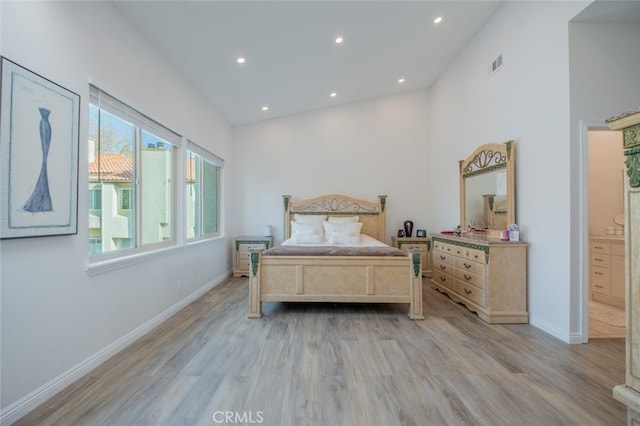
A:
(526, 100)
(362, 149)
(57, 321)
(604, 83)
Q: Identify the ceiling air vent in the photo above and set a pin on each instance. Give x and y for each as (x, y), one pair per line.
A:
(495, 65)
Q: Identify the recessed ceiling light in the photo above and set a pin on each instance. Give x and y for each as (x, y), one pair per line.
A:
(333, 94)
(240, 60)
(437, 20)
(265, 108)
(339, 39)
(401, 80)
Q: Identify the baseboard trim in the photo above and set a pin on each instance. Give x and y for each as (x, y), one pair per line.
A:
(23, 406)
(551, 329)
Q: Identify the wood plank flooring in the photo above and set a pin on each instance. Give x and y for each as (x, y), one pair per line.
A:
(343, 364)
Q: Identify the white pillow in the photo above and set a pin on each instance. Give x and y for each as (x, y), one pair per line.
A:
(307, 239)
(343, 219)
(309, 218)
(307, 233)
(342, 233)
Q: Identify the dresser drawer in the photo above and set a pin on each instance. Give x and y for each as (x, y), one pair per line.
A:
(471, 279)
(242, 265)
(601, 260)
(458, 251)
(470, 292)
(470, 266)
(444, 267)
(600, 248)
(443, 278)
(438, 246)
(443, 257)
(475, 255)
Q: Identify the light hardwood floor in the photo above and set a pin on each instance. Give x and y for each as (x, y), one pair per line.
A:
(343, 364)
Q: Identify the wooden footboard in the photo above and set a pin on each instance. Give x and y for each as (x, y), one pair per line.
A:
(361, 279)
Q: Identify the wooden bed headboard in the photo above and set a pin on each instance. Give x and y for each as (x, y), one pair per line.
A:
(371, 213)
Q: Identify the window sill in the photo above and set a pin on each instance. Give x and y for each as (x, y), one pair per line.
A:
(100, 267)
(107, 265)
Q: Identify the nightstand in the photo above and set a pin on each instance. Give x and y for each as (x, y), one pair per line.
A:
(242, 245)
(421, 243)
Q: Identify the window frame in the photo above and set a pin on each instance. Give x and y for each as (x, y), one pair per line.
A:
(116, 259)
(204, 156)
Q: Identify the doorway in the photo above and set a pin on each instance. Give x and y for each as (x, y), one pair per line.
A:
(604, 213)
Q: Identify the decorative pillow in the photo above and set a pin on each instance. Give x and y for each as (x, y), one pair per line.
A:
(343, 219)
(307, 233)
(342, 233)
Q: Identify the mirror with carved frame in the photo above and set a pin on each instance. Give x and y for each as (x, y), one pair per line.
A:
(487, 188)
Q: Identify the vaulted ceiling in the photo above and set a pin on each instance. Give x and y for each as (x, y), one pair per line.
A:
(293, 63)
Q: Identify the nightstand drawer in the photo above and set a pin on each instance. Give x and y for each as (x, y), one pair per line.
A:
(243, 247)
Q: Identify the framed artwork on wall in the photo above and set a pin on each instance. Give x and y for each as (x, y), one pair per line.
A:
(39, 135)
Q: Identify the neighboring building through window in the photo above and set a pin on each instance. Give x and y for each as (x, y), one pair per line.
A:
(203, 171)
(132, 186)
(131, 170)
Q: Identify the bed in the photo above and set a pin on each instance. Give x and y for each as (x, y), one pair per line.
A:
(335, 270)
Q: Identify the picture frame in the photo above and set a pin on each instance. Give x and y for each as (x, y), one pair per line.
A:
(421, 233)
(39, 139)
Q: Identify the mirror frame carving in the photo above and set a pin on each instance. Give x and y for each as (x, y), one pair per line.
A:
(485, 159)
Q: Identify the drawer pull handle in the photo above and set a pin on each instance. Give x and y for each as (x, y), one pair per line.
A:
(475, 255)
(442, 257)
(458, 251)
(599, 260)
(468, 277)
(599, 286)
(443, 279)
(598, 247)
(443, 267)
(467, 265)
(467, 291)
(598, 273)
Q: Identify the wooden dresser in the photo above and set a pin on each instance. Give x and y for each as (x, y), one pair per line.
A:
(488, 276)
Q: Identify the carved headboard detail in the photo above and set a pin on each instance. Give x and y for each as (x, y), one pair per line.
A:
(371, 213)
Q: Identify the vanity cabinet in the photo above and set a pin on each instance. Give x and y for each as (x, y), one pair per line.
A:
(607, 270)
(488, 276)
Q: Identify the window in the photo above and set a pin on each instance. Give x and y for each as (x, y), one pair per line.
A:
(203, 171)
(132, 192)
(125, 199)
